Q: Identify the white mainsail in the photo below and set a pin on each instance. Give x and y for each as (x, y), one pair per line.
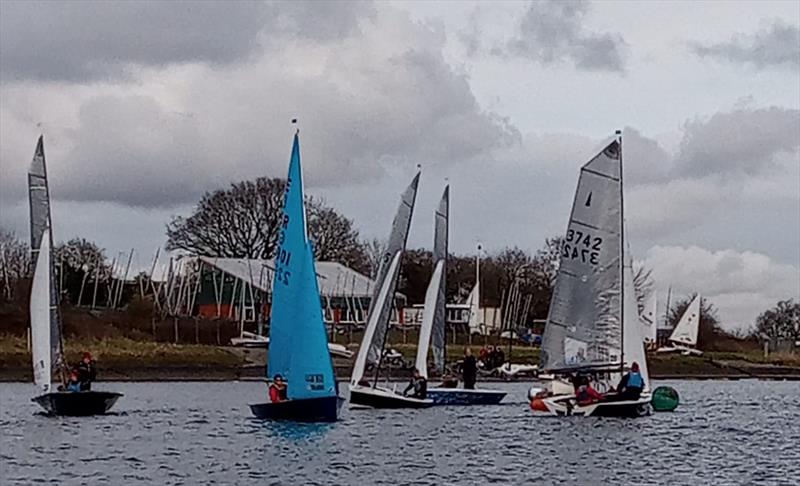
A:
(473, 301)
(41, 339)
(685, 332)
(649, 318)
(434, 313)
(385, 293)
(584, 327)
(397, 244)
(41, 246)
(633, 343)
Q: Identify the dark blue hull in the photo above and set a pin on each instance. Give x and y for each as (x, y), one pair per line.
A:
(325, 409)
(459, 396)
(78, 404)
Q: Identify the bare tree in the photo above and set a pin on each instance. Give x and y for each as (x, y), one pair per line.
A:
(373, 250)
(79, 260)
(14, 263)
(242, 221)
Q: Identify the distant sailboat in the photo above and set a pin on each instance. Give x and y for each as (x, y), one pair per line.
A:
(434, 320)
(592, 325)
(362, 392)
(684, 337)
(298, 347)
(46, 337)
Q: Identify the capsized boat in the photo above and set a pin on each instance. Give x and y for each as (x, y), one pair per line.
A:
(298, 347)
(364, 393)
(592, 324)
(684, 337)
(46, 336)
(432, 331)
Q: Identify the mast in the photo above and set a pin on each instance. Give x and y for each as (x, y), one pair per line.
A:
(621, 259)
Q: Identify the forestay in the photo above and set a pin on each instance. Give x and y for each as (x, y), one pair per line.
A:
(298, 347)
(397, 244)
(433, 316)
(583, 324)
(686, 330)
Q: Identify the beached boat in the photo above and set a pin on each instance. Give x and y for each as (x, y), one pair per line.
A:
(684, 337)
(592, 325)
(253, 340)
(364, 393)
(298, 347)
(46, 336)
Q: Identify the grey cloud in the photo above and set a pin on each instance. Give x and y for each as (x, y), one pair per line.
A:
(552, 31)
(79, 41)
(744, 141)
(368, 110)
(778, 45)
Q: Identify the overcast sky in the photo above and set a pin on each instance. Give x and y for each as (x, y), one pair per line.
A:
(146, 105)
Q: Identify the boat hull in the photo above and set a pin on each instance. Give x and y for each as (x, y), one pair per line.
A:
(324, 409)
(564, 405)
(381, 398)
(77, 404)
(460, 396)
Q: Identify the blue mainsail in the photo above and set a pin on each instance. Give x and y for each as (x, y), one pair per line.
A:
(298, 347)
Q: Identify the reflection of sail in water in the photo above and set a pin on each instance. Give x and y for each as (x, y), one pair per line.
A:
(584, 322)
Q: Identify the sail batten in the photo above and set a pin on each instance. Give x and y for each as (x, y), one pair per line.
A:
(584, 327)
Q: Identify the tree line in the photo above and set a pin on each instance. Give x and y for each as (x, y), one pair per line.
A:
(242, 221)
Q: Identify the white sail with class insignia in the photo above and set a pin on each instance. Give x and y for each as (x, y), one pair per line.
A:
(396, 246)
(685, 331)
(584, 326)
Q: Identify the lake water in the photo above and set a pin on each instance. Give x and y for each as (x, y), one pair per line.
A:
(724, 432)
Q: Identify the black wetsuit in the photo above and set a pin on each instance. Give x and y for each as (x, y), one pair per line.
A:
(87, 372)
(420, 387)
(469, 372)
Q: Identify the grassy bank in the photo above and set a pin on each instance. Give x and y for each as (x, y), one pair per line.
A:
(124, 358)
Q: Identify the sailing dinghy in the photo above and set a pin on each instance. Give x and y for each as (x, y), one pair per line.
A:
(298, 346)
(370, 353)
(684, 337)
(432, 331)
(47, 348)
(592, 325)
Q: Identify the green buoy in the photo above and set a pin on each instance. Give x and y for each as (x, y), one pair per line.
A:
(665, 399)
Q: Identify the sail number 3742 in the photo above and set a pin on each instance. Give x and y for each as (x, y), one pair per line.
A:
(582, 246)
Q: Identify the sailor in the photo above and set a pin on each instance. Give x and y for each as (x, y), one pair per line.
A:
(87, 372)
(631, 385)
(73, 384)
(419, 384)
(277, 390)
(469, 370)
(585, 394)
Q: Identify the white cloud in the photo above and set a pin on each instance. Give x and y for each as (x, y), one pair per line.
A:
(740, 284)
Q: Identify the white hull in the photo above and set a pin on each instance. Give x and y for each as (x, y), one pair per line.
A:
(512, 370)
(250, 340)
(685, 351)
(379, 397)
(565, 405)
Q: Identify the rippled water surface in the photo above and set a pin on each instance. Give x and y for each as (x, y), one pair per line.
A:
(725, 432)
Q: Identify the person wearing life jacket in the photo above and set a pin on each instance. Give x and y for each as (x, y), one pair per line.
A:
(277, 390)
(87, 371)
(73, 384)
(631, 385)
(418, 384)
(585, 394)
